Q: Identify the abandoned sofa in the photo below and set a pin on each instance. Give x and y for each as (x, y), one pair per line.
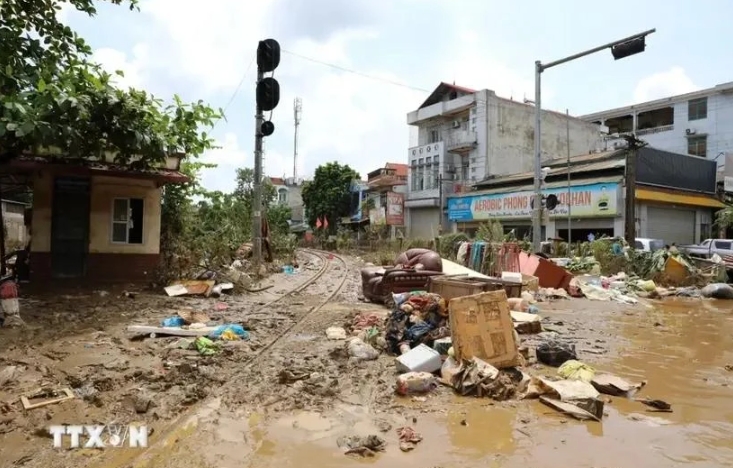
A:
(411, 271)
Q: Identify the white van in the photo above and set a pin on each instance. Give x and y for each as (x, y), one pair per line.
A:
(648, 245)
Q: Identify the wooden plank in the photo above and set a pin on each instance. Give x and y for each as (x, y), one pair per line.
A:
(25, 399)
(171, 331)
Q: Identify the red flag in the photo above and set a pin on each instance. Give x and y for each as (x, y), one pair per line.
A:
(325, 223)
(318, 223)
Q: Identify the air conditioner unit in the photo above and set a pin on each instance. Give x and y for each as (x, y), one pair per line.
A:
(456, 124)
(690, 131)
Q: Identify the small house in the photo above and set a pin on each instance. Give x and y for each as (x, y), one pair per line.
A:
(94, 220)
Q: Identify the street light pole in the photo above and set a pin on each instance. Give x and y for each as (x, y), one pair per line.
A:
(620, 49)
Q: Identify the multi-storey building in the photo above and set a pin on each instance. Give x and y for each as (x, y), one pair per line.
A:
(465, 136)
(698, 123)
(288, 190)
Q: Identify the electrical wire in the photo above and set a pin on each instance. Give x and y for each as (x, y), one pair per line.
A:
(355, 72)
(236, 91)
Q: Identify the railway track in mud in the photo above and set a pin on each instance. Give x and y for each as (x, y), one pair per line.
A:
(184, 425)
(326, 265)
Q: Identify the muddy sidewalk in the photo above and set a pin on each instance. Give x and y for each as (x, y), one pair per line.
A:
(79, 341)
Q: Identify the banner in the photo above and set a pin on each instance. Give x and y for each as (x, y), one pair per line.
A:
(395, 209)
(586, 201)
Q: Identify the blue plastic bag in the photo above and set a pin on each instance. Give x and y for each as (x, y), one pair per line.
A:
(176, 321)
(235, 328)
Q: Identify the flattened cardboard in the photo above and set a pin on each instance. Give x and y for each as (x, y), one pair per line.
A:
(481, 326)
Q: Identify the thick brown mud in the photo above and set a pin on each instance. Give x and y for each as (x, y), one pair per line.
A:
(237, 413)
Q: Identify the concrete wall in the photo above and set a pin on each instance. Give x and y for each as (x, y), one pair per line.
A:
(511, 136)
(718, 126)
(294, 200)
(103, 192)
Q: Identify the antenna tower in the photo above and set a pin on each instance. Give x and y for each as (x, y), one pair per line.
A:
(297, 110)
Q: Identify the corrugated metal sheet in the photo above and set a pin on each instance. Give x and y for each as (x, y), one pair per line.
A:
(603, 165)
(678, 171)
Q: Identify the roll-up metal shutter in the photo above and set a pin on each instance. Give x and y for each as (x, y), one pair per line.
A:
(423, 223)
(672, 225)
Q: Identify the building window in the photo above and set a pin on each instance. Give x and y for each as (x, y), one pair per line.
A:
(413, 174)
(428, 174)
(704, 231)
(127, 220)
(434, 136)
(697, 109)
(698, 146)
(282, 196)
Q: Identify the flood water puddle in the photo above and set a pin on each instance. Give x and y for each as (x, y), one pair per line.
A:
(680, 347)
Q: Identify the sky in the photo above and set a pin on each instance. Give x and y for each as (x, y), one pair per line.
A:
(360, 66)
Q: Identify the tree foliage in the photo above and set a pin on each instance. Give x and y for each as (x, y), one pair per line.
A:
(220, 222)
(54, 97)
(329, 193)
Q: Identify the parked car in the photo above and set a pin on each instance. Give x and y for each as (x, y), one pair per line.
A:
(648, 245)
(708, 248)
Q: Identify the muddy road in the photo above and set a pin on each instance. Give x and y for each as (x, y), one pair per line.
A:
(258, 404)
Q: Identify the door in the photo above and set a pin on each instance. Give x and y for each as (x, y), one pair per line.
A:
(423, 223)
(671, 225)
(70, 227)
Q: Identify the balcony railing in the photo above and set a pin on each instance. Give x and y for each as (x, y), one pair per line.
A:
(649, 131)
(460, 140)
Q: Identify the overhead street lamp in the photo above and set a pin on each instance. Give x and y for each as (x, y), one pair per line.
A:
(619, 49)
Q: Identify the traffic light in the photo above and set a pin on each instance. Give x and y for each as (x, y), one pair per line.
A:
(551, 202)
(626, 49)
(268, 94)
(268, 55)
(267, 128)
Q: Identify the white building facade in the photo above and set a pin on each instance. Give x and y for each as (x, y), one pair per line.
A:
(288, 191)
(465, 136)
(698, 123)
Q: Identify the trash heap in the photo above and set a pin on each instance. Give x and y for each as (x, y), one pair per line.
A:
(471, 345)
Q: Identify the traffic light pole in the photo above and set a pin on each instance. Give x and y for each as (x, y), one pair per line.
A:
(539, 68)
(257, 187)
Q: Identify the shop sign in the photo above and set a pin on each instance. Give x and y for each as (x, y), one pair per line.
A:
(395, 209)
(586, 201)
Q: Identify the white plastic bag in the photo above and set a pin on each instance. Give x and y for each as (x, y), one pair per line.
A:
(362, 351)
(415, 382)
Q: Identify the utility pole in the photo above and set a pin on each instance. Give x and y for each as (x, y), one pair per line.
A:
(440, 198)
(297, 110)
(632, 154)
(622, 48)
(257, 184)
(567, 136)
(267, 98)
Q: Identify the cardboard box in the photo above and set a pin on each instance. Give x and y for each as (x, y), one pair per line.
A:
(481, 326)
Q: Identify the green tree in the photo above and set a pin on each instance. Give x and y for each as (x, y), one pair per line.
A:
(54, 99)
(245, 187)
(329, 193)
(277, 215)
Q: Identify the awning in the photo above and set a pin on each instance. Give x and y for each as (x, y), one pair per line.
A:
(678, 198)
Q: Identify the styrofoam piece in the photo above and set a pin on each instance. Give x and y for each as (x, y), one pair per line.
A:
(419, 359)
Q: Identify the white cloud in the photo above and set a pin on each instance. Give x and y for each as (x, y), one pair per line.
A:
(215, 45)
(659, 85)
(474, 68)
(113, 60)
(347, 117)
(229, 156)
